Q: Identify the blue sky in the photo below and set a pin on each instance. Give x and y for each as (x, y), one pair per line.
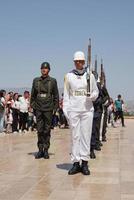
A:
(34, 31)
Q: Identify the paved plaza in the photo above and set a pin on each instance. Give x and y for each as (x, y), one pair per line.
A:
(24, 178)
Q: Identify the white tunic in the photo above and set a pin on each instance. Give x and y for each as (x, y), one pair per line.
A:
(78, 108)
(75, 93)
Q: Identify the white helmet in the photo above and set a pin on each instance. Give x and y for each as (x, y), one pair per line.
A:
(79, 55)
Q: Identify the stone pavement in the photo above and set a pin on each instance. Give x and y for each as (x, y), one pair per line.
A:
(24, 178)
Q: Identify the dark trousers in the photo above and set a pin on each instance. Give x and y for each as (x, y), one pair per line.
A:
(61, 116)
(119, 114)
(104, 128)
(15, 123)
(44, 120)
(23, 121)
(95, 137)
(55, 121)
(30, 122)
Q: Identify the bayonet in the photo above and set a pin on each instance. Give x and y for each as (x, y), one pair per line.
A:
(88, 67)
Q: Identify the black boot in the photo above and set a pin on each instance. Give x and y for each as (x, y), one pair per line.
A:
(39, 155)
(100, 144)
(75, 169)
(104, 139)
(84, 168)
(46, 155)
(97, 147)
(92, 154)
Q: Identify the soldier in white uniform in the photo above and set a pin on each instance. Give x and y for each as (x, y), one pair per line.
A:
(78, 109)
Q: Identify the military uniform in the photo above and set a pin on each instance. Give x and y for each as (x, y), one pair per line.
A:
(106, 103)
(45, 101)
(95, 138)
(78, 109)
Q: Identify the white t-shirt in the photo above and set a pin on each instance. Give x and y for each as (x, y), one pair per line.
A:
(24, 104)
(16, 105)
(2, 100)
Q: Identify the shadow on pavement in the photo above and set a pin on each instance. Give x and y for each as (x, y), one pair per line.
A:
(64, 166)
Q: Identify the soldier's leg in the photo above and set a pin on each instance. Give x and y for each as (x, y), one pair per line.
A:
(93, 140)
(93, 136)
(74, 122)
(85, 138)
(97, 133)
(40, 130)
(47, 117)
(104, 127)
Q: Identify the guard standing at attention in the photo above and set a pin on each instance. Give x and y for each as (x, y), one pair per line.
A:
(44, 101)
(78, 109)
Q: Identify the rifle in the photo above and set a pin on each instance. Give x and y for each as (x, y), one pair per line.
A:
(88, 67)
(95, 66)
(102, 77)
(95, 69)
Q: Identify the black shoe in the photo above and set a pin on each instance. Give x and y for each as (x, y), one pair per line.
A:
(39, 155)
(46, 155)
(75, 169)
(84, 168)
(97, 148)
(100, 144)
(104, 139)
(92, 154)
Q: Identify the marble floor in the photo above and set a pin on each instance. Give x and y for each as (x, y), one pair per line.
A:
(24, 178)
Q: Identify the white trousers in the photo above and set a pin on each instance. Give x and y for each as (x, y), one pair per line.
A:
(81, 129)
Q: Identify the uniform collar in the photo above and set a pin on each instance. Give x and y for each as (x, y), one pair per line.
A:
(44, 78)
(79, 72)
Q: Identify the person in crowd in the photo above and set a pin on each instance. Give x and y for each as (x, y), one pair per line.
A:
(23, 114)
(11, 94)
(15, 112)
(2, 110)
(62, 119)
(111, 113)
(119, 103)
(30, 122)
(55, 120)
(8, 117)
